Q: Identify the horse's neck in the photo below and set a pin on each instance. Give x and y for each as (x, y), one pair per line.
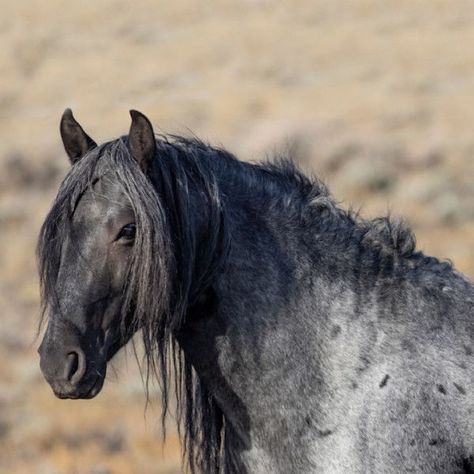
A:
(261, 322)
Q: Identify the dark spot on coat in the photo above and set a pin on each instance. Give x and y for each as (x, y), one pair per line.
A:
(384, 381)
(468, 350)
(441, 389)
(460, 388)
(335, 331)
(309, 422)
(365, 363)
(354, 385)
(436, 442)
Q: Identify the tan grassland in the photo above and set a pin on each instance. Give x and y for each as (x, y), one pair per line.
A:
(376, 97)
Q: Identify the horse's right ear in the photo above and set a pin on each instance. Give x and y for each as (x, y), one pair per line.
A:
(141, 140)
(76, 142)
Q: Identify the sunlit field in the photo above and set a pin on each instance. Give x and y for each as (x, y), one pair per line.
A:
(376, 98)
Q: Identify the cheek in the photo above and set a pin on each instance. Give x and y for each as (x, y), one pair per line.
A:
(111, 316)
(118, 267)
(117, 271)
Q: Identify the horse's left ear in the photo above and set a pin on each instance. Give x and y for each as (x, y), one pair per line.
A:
(141, 140)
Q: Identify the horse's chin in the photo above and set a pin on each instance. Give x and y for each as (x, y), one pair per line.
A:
(81, 392)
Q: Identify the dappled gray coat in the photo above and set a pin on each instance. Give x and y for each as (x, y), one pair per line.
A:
(302, 338)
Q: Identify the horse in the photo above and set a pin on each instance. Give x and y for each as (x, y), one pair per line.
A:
(297, 336)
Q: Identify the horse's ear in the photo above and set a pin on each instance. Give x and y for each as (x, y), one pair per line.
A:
(141, 140)
(76, 142)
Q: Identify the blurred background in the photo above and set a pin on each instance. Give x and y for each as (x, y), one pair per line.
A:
(377, 98)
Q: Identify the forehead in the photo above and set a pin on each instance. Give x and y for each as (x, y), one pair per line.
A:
(103, 200)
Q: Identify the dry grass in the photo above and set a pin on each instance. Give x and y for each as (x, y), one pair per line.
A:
(377, 97)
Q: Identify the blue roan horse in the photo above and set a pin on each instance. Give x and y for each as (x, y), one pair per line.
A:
(298, 337)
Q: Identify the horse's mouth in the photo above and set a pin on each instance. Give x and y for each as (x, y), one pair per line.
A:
(83, 392)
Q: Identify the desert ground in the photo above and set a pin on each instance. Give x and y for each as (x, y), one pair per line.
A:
(376, 98)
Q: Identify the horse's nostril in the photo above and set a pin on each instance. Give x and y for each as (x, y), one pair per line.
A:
(72, 364)
(75, 366)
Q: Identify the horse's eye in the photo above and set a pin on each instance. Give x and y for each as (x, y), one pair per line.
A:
(127, 232)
